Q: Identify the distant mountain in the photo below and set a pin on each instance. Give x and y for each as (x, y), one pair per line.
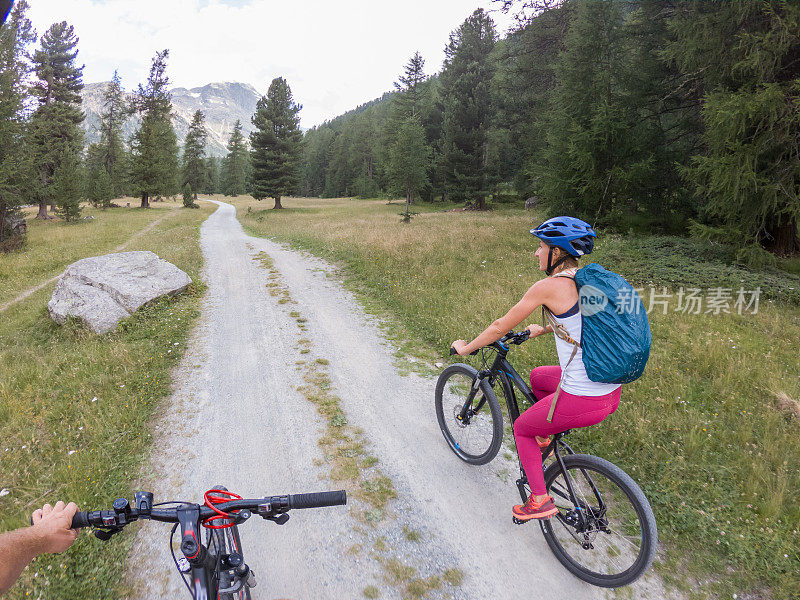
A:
(221, 103)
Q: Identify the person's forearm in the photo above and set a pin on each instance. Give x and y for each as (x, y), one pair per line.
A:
(491, 334)
(17, 549)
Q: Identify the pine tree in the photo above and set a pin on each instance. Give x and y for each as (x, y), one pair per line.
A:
(408, 160)
(15, 35)
(68, 186)
(194, 150)
(406, 104)
(99, 189)
(235, 164)
(744, 55)
(188, 196)
(275, 144)
(154, 146)
(467, 112)
(212, 181)
(112, 118)
(54, 130)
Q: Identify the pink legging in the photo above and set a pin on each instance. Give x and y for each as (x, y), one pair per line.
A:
(571, 412)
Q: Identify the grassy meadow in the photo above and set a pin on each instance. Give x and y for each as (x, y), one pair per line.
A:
(54, 244)
(74, 406)
(712, 429)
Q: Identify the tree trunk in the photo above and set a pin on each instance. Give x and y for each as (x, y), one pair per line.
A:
(42, 214)
(277, 202)
(195, 195)
(2, 219)
(780, 236)
(409, 199)
(145, 200)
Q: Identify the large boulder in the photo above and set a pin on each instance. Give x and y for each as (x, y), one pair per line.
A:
(102, 290)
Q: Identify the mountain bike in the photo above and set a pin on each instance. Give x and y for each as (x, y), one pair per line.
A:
(215, 569)
(605, 532)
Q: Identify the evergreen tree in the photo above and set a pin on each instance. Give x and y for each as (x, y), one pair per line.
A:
(523, 89)
(406, 104)
(112, 118)
(194, 150)
(99, 189)
(154, 161)
(15, 35)
(409, 86)
(745, 56)
(409, 158)
(467, 109)
(212, 181)
(275, 144)
(54, 130)
(188, 196)
(67, 186)
(235, 164)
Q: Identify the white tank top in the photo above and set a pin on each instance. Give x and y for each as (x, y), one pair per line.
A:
(574, 379)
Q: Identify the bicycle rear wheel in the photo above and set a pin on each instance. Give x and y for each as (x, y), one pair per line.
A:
(616, 541)
(476, 438)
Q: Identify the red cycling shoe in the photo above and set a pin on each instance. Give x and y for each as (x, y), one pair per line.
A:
(535, 510)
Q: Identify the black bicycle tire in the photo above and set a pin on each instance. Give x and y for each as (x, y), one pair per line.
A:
(244, 593)
(643, 511)
(221, 542)
(494, 408)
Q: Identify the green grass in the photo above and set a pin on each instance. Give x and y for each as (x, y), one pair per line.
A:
(75, 407)
(705, 431)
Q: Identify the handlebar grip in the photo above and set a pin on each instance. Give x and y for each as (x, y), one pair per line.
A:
(318, 499)
(453, 351)
(81, 519)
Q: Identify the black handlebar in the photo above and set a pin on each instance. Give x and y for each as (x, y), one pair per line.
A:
(318, 499)
(266, 507)
(511, 336)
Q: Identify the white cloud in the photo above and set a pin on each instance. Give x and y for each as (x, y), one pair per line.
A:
(335, 55)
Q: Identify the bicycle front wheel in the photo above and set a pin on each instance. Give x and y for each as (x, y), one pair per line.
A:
(608, 537)
(226, 541)
(471, 422)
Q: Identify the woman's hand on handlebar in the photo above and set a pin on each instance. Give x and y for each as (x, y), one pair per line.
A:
(459, 346)
(537, 330)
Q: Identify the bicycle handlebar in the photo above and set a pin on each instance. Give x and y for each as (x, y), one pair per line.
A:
(511, 336)
(265, 507)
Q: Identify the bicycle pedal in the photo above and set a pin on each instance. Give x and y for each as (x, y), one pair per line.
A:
(518, 521)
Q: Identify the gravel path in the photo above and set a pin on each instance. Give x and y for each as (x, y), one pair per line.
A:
(237, 419)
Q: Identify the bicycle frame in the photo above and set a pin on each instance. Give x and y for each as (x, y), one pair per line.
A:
(509, 379)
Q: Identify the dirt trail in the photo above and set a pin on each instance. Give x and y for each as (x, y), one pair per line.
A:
(119, 248)
(237, 419)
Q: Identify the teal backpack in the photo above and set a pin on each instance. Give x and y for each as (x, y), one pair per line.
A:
(615, 334)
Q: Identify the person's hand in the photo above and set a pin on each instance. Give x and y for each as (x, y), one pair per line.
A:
(459, 346)
(535, 330)
(52, 526)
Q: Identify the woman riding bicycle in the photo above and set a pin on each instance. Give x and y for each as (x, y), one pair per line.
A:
(581, 402)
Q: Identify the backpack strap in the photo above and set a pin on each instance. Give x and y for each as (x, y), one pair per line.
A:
(561, 332)
(558, 389)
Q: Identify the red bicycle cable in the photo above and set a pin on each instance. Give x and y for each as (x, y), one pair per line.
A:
(211, 500)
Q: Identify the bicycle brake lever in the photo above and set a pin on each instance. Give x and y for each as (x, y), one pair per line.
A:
(279, 519)
(105, 534)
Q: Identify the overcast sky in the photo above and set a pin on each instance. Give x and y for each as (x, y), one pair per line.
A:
(334, 54)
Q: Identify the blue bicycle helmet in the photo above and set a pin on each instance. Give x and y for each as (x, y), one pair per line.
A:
(573, 235)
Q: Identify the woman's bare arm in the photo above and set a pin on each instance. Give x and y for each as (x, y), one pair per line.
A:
(536, 295)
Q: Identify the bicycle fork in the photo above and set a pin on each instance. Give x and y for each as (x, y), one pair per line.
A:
(466, 411)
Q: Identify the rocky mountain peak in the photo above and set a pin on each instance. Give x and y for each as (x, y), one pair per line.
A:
(222, 104)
